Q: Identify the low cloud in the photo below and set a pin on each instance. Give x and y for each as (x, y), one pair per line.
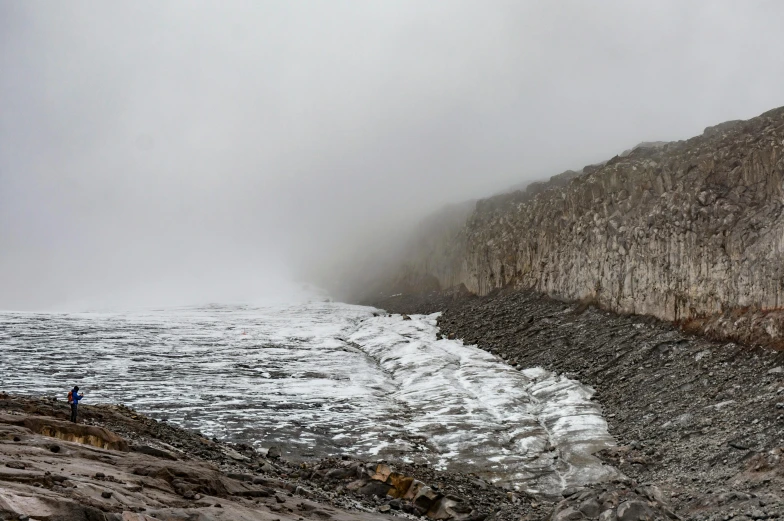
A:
(183, 152)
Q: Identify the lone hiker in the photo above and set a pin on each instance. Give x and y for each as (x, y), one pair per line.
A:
(73, 399)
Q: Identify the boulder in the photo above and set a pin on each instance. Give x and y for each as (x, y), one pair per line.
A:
(341, 473)
(590, 508)
(449, 507)
(375, 488)
(400, 484)
(413, 490)
(274, 452)
(425, 498)
(652, 492)
(570, 491)
(153, 451)
(442, 509)
(382, 472)
(356, 484)
(634, 510)
(568, 514)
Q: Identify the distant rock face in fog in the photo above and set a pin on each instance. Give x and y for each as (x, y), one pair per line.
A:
(689, 231)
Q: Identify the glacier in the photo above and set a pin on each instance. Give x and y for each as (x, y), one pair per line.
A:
(319, 379)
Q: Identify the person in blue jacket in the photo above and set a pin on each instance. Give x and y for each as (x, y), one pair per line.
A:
(73, 399)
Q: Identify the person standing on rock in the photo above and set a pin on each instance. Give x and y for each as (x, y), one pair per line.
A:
(73, 399)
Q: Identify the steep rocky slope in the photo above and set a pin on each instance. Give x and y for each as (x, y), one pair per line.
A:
(688, 231)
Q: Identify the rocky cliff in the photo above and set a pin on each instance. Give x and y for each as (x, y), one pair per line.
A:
(688, 231)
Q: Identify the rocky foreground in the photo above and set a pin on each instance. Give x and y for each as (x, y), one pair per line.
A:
(120, 465)
(699, 426)
(117, 464)
(701, 421)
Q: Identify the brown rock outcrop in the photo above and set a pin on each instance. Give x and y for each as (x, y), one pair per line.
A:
(77, 433)
(92, 476)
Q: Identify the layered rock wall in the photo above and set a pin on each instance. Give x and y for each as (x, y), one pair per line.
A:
(689, 231)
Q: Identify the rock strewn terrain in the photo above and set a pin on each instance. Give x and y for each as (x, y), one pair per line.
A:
(51, 469)
(120, 465)
(701, 421)
(689, 231)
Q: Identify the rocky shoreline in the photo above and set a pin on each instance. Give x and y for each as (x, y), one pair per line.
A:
(120, 465)
(701, 421)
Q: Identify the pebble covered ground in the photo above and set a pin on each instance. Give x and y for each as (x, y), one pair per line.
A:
(702, 421)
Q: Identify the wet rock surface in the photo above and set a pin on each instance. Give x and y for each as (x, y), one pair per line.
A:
(701, 421)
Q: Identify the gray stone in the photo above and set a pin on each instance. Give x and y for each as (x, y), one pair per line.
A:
(634, 510)
(652, 492)
(568, 514)
(274, 452)
(425, 498)
(590, 508)
(375, 488)
(570, 491)
(268, 467)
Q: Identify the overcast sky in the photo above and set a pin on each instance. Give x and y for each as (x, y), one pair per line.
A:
(180, 151)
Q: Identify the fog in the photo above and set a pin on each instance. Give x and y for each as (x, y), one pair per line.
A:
(177, 152)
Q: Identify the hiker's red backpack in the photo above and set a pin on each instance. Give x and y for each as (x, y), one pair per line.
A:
(70, 396)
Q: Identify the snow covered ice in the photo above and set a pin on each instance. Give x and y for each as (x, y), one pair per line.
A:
(319, 379)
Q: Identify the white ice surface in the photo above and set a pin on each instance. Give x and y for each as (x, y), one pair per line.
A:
(319, 378)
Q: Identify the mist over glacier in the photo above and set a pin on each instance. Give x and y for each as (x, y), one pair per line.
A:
(173, 152)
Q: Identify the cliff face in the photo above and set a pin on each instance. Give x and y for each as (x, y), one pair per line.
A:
(687, 231)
